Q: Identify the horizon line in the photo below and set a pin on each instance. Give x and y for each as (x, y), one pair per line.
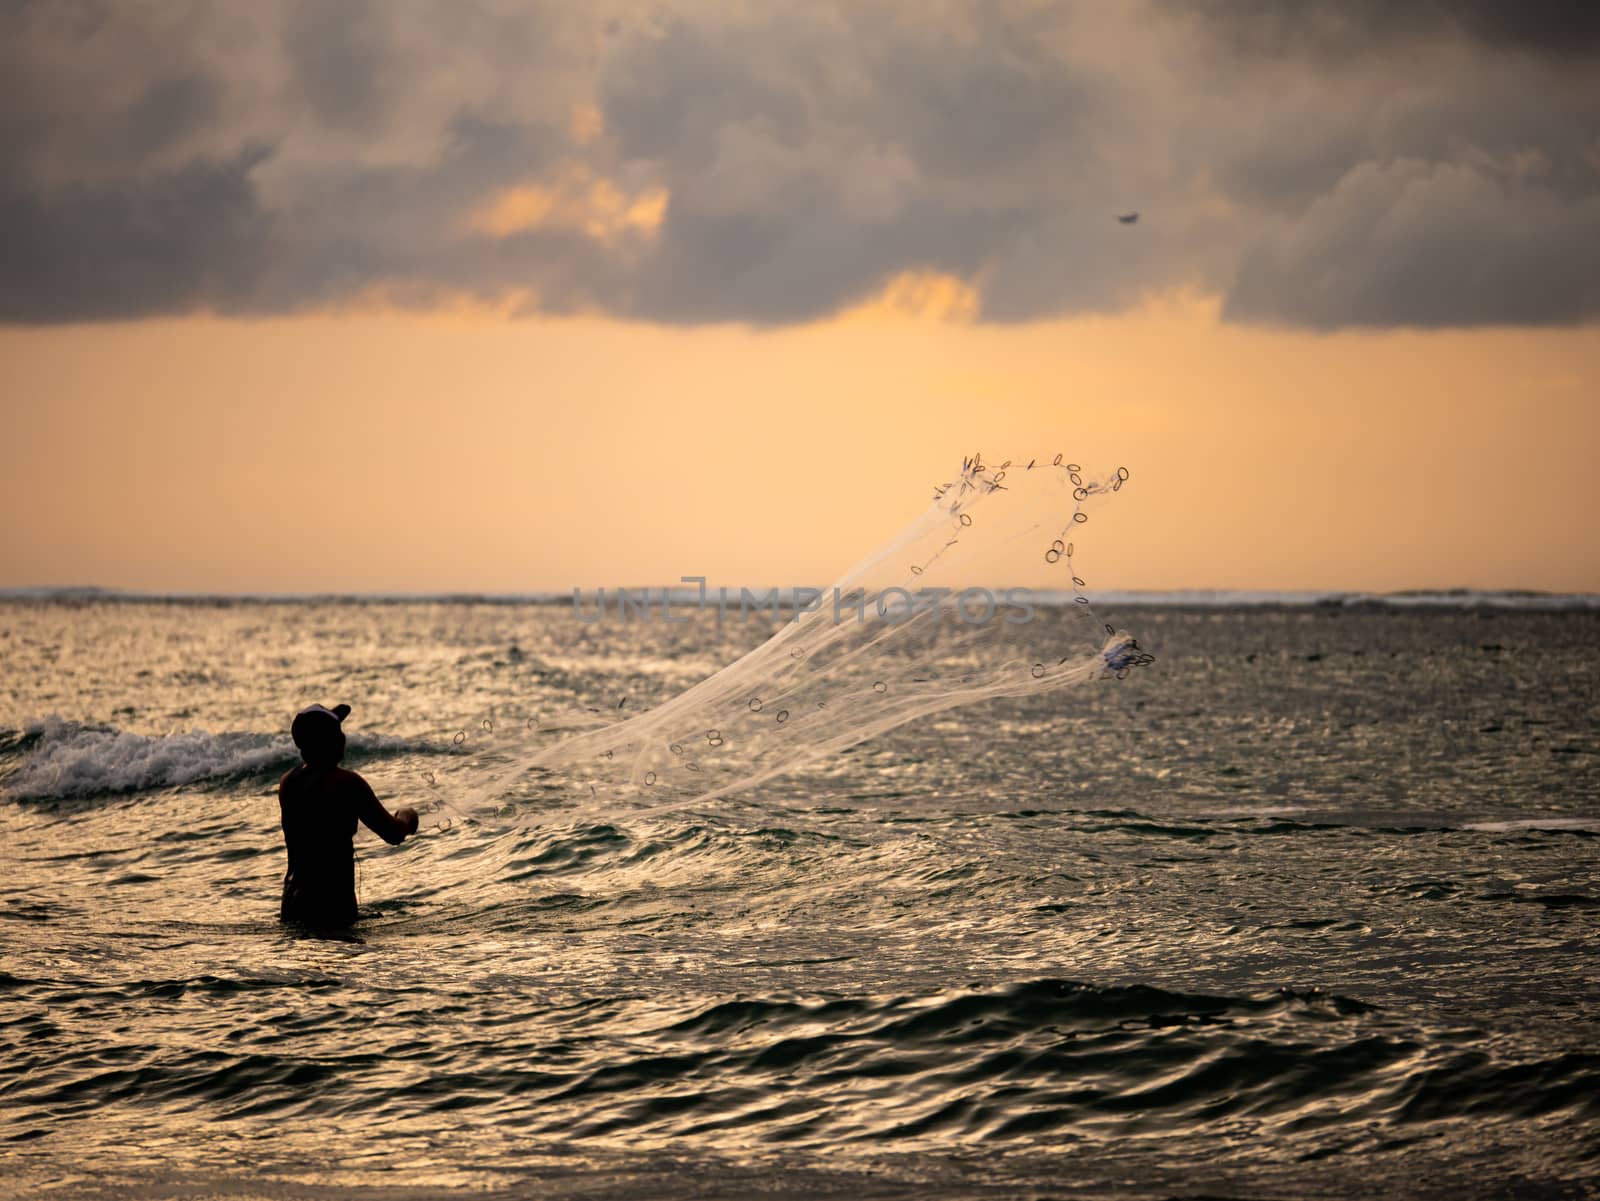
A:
(1452, 597)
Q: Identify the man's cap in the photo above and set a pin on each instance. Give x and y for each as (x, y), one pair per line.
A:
(311, 723)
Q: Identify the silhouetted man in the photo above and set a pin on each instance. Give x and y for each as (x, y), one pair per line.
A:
(320, 804)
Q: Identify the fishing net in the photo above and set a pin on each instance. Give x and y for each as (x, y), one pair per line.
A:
(978, 598)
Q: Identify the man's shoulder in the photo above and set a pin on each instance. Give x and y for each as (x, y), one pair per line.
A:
(343, 778)
(337, 779)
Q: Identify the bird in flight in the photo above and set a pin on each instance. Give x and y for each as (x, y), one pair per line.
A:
(1127, 218)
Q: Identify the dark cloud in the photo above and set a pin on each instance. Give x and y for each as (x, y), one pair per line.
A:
(343, 62)
(810, 159)
(1362, 164)
(1555, 29)
(172, 242)
(1416, 243)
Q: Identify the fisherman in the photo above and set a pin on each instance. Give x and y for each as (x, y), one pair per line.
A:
(320, 803)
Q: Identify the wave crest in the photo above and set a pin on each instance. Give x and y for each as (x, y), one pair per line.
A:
(65, 759)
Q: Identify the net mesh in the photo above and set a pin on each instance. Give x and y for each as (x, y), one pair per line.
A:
(934, 619)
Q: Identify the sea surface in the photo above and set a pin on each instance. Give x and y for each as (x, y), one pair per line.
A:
(1308, 907)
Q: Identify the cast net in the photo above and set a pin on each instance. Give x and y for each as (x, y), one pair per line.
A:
(978, 598)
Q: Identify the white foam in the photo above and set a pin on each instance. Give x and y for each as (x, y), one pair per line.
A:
(1247, 811)
(1535, 823)
(75, 760)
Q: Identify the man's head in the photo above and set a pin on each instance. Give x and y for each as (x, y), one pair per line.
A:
(319, 735)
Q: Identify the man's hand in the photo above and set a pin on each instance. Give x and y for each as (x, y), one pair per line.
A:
(409, 817)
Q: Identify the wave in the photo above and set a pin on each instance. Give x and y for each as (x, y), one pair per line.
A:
(88, 594)
(64, 759)
(1541, 824)
(1036, 1062)
(1043, 1059)
(1441, 599)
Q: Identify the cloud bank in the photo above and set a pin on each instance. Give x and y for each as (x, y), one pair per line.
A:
(1365, 165)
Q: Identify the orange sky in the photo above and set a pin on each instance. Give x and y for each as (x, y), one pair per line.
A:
(443, 297)
(474, 451)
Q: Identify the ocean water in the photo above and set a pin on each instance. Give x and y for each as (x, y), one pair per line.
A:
(1309, 907)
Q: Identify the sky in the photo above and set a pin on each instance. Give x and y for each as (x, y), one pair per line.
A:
(507, 297)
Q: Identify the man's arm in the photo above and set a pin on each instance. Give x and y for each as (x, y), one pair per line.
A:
(391, 827)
